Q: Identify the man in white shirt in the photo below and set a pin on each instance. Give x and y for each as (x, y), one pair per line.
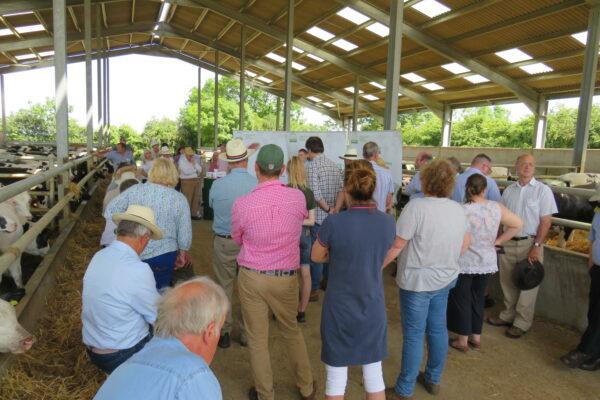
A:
(189, 175)
(384, 189)
(119, 292)
(534, 203)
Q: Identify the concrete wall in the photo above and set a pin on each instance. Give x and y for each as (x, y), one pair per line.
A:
(563, 295)
(507, 156)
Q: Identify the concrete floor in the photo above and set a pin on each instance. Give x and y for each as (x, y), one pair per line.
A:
(527, 368)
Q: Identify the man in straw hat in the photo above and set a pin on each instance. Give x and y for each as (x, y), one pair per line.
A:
(119, 292)
(267, 223)
(223, 193)
(350, 155)
(165, 152)
(189, 177)
(175, 364)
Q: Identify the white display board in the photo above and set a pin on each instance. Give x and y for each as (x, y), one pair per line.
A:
(335, 143)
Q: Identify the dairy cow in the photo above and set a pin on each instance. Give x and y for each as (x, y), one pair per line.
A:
(13, 337)
(11, 230)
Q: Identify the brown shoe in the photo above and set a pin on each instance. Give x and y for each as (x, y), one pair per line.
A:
(496, 321)
(390, 394)
(313, 394)
(314, 296)
(252, 394)
(457, 346)
(575, 358)
(432, 388)
(514, 333)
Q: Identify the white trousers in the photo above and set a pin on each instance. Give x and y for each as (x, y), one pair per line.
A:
(338, 376)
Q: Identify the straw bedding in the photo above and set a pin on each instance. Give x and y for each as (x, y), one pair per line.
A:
(57, 366)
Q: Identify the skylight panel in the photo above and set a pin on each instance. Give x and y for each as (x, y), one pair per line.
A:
(250, 73)
(411, 76)
(319, 59)
(29, 28)
(370, 97)
(48, 53)
(327, 104)
(164, 11)
(320, 33)
(377, 85)
(379, 29)
(538, 68)
(351, 89)
(25, 57)
(476, 78)
(18, 13)
(432, 86)
(264, 79)
(455, 68)
(581, 37)
(297, 50)
(275, 57)
(352, 15)
(298, 66)
(315, 99)
(344, 44)
(5, 32)
(431, 8)
(514, 55)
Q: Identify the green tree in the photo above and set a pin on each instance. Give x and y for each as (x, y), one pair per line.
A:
(162, 131)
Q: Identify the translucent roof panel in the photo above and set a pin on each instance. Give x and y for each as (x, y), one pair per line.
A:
(25, 57)
(581, 37)
(298, 66)
(514, 55)
(315, 99)
(432, 86)
(411, 76)
(537, 68)
(29, 28)
(352, 15)
(320, 33)
(48, 53)
(370, 97)
(455, 68)
(351, 89)
(275, 57)
(250, 73)
(319, 59)
(377, 85)
(326, 104)
(431, 8)
(379, 29)
(17, 13)
(164, 11)
(5, 32)
(297, 50)
(476, 78)
(264, 79)
(344, 44)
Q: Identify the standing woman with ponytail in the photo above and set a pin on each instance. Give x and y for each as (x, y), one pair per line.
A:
(354, 323)
(478, 263)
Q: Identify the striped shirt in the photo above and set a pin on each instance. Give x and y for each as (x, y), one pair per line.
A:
(326, 180)
(267, 223)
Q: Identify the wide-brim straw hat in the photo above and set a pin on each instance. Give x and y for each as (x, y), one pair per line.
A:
(527, 276)
(141, 215)
(235, 151)
(165, 150)
(126, 176)
(351, 154)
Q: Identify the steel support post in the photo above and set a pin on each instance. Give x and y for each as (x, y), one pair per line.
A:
(540, 124)
(390, 117)
(199, 107)
(99, 75)
(87, 14)
(242, 75)
(447, 126)
(4, 134)
(107, 98)
(355, 104)
(59, 13)
(216, 111)
(287, 107)
(590, 64)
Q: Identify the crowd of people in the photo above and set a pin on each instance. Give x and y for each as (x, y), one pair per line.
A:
(335, 230)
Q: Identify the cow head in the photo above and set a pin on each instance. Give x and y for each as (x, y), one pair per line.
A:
(21, 203)
(13, 337)
(9, 221)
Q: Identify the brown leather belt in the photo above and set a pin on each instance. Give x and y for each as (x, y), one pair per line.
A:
(518, 239)
(101, 351)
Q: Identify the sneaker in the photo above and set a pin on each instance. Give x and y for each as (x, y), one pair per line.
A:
(224, 341)
(390, 394)
(301, 317)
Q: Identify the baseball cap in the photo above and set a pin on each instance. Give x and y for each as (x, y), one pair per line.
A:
(270, 158)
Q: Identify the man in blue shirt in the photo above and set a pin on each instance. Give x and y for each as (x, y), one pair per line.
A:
(413, 189)
(175, 364)
(118, 156)
(482, 165)
(223, 193)
(119, 292)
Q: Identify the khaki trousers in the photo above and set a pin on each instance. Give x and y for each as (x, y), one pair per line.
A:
(190, 188)
(519, 304)
(258, 294)
(225, 252)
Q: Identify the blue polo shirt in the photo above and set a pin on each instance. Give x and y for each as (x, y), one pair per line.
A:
(458, 194)
(224, 192)
(163, 370)
(595, 238)
(117, 158)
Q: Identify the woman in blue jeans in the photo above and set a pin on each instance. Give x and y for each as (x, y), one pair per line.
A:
(431, 234)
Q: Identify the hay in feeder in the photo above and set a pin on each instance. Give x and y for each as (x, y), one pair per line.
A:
(57, 367)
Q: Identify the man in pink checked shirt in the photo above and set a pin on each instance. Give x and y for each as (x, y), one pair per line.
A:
(266, 223)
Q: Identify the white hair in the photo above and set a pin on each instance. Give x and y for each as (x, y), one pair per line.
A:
(182, 312)
(132, 229)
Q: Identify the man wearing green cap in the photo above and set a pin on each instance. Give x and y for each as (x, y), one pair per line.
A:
(266, 223)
